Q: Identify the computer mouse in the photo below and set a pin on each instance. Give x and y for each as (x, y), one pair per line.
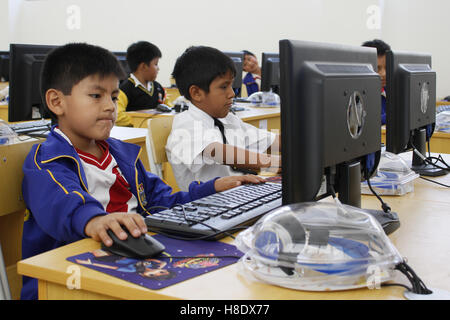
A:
(142, 247)
(163, 108)
(388, 220)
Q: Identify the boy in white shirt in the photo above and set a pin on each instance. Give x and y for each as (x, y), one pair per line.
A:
(207, 140)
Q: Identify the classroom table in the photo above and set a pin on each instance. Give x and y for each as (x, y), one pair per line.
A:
(261, 117)
(423, 239)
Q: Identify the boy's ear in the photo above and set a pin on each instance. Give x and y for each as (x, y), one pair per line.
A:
(55, 101)
(197, 94)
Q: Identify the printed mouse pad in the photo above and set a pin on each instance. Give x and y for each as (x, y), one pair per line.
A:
(182, 260)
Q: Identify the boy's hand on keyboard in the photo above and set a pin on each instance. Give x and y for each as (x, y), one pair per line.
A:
(229, 182)
(96, 227)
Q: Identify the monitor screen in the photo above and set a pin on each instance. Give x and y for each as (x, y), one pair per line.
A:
(238, 59)
(330, 119)
(410, 106)
(4, 66)
(122, 57)
(270, 72)
(26, 63)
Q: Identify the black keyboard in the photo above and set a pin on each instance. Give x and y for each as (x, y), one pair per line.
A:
(214, 216)
(30, 126)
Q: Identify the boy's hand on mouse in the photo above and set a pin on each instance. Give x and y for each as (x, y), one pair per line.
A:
(96, 227)
(229, 182)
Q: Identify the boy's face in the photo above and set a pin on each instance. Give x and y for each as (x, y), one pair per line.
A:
(151, 70)
(218, 101)
(382, 69)
(250, 63)
(90, 111)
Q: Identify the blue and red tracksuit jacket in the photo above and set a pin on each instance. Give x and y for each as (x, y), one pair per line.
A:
(59, 205)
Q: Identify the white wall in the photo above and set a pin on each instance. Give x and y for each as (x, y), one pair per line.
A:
(422, 26)
(230, 25)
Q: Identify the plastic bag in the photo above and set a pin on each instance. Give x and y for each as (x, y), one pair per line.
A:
(317, 246)
(393, 177)
(7, 135)
(265, 99)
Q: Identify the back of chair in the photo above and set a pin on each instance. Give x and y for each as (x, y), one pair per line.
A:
(158, 131)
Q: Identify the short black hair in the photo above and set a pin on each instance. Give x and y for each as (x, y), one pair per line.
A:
(67, 65)
(246, 52)
(200, 65)
(142, 51)
(381, 46)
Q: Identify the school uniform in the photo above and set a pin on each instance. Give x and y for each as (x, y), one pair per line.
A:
(193, 130)
(64, 189)
(252, 83)
(383, 106)
(134, 96)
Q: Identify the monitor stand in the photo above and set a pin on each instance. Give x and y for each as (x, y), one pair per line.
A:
(418, 164)
(349, 190)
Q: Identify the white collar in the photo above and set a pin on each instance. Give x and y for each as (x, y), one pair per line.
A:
(137, 82)
(206, 116)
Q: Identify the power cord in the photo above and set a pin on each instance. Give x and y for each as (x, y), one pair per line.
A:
(429, 180)
(418, 286)
(429, 159)
(386, 208)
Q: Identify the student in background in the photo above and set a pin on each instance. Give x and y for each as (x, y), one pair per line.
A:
(80, 182)
(207, 140)
(140, 90)
(252, 79)
(382, 47)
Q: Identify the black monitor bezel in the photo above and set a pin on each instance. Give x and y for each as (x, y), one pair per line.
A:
(298, 152)
(20, 95)
(122, 58)
(399, 129)
(4, 65)
(269, 82)
(239, 65)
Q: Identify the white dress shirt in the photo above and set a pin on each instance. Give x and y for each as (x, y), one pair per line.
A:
(193, 130)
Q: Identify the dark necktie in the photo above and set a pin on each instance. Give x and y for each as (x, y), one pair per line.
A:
(219, 125)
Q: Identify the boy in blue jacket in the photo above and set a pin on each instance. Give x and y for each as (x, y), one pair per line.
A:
(80, 182)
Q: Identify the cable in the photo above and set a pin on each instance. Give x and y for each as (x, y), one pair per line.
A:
(429, 180)
(418, 286)
(429, 159)
(205, 237)
(201, 257)
(396, 284)
(187, 219)
(384, 205)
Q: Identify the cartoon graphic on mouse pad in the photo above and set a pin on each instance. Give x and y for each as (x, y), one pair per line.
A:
(180, 261)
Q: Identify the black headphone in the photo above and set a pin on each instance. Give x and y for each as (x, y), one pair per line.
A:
(274, 239)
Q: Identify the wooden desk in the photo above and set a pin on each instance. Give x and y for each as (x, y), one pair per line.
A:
(423, 239)
(265, 118)
(439, 143)
(4, 111)
(12, 206)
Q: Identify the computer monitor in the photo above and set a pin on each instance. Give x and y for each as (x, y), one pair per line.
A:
(4, 66)
(238, 59)
(330, 120)
(410, 106)
(270, 72)
(26, 63)
(122, 57)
